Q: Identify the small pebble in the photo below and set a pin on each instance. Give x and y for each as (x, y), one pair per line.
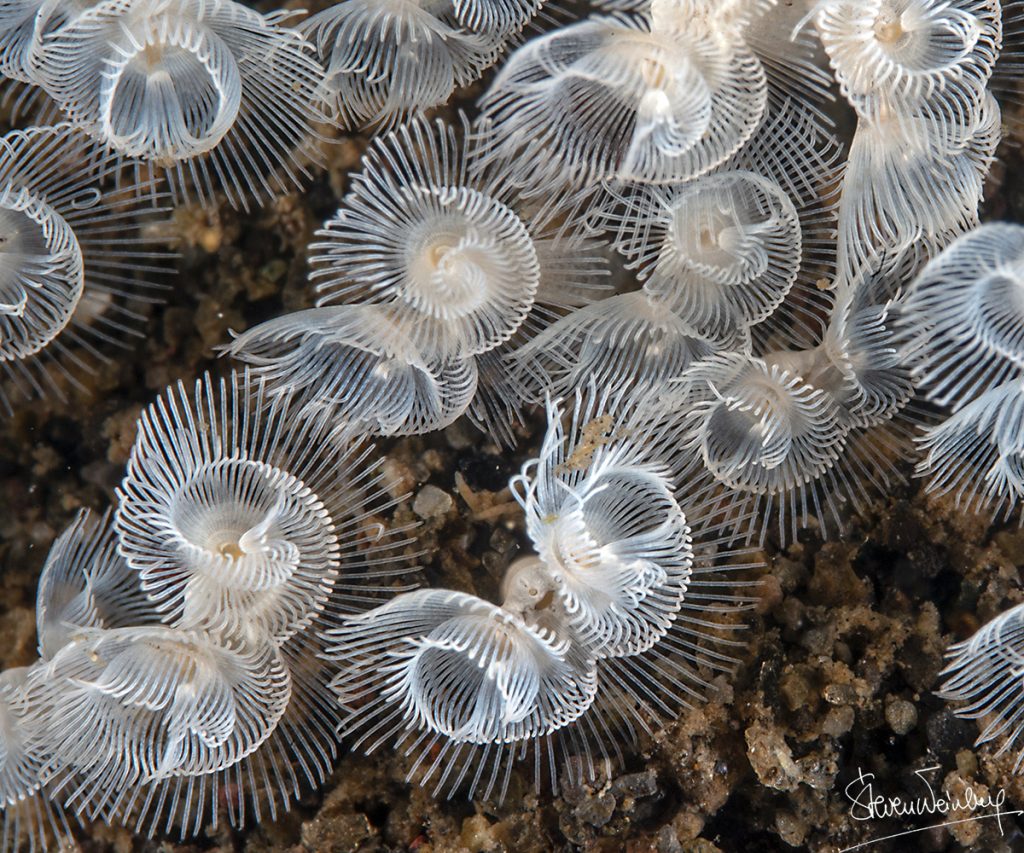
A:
(596, 810)
(644, 784)
(838, 721)
(791, 829)
(840, 694)
(901, 716)
(459, 435)
(431, 502)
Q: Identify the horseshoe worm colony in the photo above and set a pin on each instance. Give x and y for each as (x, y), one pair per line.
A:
(739, 321)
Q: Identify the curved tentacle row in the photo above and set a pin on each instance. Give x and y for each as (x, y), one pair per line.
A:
(757, 434)
(387, 59)
(748, 245)
(891, 203)
(615, 98)
(23, 26)
(30, 816)
(962, 330)
(238, 511)
(984, 672)
(429, 265)
(144, 703)
(868, 376)
(521, 683)
(217, 517)
(209, 92)
(772, 31)
(299, 754)
(760, 428)
(654, 600)
(73, 258)
(899, 56)
(610, 626)
(444, 672)
(723, 250)
(608, 529)
(357, 361)
(86, 583)
(442, 247)
(631, 340)
(977, 454)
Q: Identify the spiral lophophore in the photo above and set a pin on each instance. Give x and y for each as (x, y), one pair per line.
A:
(386, 60)
(429, 265)
(74, 261)
(604, 629)
(212, 94)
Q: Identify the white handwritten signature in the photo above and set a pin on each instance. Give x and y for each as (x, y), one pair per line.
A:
(867, 804)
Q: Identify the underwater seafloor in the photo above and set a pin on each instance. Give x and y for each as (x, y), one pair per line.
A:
(833, 695)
